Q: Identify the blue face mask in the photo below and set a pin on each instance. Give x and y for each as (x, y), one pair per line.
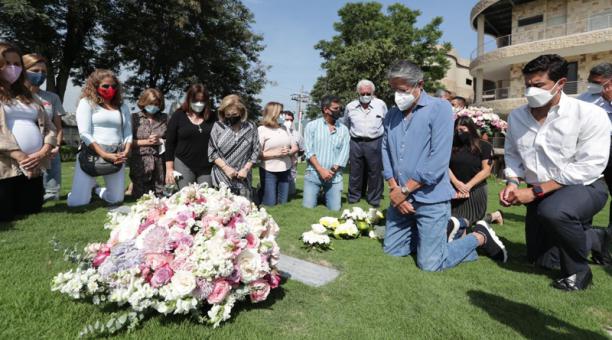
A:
(281, 120)
(36, 78)
(151, 109)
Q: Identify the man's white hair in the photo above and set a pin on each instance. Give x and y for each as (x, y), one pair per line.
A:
(365, 82)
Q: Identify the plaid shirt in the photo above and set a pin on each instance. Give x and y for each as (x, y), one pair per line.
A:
(8, 166)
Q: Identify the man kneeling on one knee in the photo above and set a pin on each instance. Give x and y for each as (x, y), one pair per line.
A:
(416, 149)
(559, 146)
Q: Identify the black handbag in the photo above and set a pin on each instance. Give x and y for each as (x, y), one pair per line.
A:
(93, 164)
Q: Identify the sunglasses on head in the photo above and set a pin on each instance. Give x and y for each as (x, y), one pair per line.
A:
(109, 85)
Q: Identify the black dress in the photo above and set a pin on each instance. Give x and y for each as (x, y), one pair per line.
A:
(465, 165)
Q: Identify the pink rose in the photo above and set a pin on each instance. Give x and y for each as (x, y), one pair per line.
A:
(161, 276)
(156, 261)
(274, 280)
(252, 241)
(100, 258)
(259, 290)
(220, 290)
(145, 272)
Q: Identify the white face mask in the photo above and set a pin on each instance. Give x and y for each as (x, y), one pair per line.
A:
(288, 124)
(593, 88)
(403, 100)
(365, 99)
(197, 106)
(537, 97)
(151, 109)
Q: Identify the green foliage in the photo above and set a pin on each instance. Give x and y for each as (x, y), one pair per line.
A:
(68, 152)
(167, 44)
(368, 41)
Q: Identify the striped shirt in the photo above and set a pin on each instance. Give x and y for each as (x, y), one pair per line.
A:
(331, 148)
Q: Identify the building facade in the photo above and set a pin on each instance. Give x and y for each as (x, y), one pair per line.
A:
(458, 79)
(519, 30)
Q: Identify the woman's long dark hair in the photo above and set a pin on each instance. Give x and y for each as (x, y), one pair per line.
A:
(474, 142)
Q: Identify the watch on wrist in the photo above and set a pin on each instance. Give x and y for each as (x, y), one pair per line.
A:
(405, 190)
(537, 191)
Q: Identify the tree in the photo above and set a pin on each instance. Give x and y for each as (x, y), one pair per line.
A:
(170, 44)
(64, 31)
(367, 43)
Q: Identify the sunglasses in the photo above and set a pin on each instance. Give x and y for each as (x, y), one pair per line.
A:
(105, 86)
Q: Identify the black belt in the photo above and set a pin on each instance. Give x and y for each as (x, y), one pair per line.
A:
(365, 139)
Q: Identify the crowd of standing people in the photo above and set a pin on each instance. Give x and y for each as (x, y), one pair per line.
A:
(436, 168)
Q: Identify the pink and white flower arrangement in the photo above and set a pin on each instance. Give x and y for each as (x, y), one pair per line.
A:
(198, 252)
(485, 119)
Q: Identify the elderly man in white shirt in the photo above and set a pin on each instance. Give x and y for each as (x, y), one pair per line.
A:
(364, 119)
(559, 146)
(599, 92)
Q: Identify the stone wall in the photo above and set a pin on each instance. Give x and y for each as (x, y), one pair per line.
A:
(561, 17)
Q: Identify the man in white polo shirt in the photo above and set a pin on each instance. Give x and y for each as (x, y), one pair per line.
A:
(559, 146)
(364, 119)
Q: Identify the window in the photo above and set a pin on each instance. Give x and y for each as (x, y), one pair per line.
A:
(530, 20)
(571, 87)
(468, 81)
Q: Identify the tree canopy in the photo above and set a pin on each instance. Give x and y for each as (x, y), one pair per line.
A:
(167, 44)
(368, 41)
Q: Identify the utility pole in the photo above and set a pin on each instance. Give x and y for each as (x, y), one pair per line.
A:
(301, 97)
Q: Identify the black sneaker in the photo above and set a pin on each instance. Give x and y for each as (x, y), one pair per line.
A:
(493, 247)
(455, 228)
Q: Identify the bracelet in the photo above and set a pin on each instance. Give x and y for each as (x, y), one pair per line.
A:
(513, 181)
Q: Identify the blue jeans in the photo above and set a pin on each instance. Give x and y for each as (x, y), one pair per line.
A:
(332, 192)
(275, 186)
(424, 232)
(52, 177)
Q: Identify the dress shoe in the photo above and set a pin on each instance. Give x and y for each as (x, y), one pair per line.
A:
(574, 282)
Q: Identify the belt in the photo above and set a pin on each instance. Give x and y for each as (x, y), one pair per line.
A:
(365, 139)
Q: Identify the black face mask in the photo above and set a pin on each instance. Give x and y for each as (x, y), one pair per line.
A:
(336, 114)
(463, 138)
(232, 120)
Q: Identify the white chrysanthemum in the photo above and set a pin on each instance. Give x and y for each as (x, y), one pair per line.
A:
(318, 228)
(329, 222)
(347, 228)
(313, 238)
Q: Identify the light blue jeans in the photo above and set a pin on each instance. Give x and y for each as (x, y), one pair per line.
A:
(424, 232)
(332, 192)
(52, 178)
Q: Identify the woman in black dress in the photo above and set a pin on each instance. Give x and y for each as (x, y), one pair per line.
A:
(187, 139)
(470, 165)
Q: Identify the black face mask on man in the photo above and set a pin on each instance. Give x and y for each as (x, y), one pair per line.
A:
(335, 114)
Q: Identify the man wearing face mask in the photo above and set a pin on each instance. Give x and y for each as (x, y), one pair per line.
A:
(416, 151)
(599, 92)
(364, 119)
(297, 137)
(559, 146)
(326, 144)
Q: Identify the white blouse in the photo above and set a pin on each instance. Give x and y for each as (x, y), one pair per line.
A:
(97, 124)
(21, 119)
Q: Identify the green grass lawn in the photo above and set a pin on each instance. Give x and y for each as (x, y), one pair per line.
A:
(376, 296)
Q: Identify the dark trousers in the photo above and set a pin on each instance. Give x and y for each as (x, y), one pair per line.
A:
(558, 227)
(608, 177)
(366, 170)
(20, 196)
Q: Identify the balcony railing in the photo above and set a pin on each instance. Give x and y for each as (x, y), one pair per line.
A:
(571, 87)
(548, 31)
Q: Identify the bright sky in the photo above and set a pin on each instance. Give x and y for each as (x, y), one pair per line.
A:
(291, 28)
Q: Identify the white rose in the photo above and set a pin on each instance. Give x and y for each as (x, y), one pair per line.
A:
(249, 263)
(183, 282)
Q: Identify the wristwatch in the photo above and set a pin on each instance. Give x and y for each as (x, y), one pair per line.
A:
(405, 190)
(537, 191)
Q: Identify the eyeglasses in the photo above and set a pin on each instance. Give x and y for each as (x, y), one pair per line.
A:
(114, 86)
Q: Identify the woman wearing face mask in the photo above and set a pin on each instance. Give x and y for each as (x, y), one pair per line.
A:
(105, 128)
(470, 166)
(233, 147)
(36, 74)
(277, 148)
(147, 168)
(26, 139)
(187, 139)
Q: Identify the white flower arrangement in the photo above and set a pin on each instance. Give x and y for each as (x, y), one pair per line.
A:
(316, 238)
(196, 252)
